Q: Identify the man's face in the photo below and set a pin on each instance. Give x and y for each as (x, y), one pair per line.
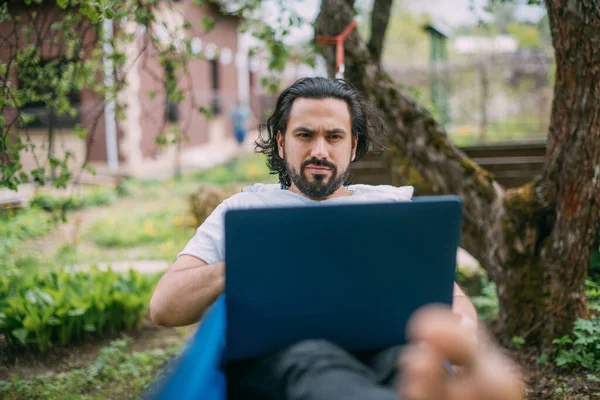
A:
(317, 146)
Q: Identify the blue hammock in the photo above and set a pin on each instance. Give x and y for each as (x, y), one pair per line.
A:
(196, 373)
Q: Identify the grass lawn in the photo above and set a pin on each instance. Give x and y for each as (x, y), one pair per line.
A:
(151, 222)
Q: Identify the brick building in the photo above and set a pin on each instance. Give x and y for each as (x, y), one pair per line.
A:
(216, 81)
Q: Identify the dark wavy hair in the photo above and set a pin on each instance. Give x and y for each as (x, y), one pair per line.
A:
(366, 122)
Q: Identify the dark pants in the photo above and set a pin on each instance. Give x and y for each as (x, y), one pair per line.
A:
(315, 370)
(240, 136)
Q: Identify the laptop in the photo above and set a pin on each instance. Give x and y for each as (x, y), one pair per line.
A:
(349, 274)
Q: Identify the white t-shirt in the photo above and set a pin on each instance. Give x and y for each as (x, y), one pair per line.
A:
(208, 243)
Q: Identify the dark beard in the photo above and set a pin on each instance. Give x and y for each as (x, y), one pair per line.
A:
(319, 188)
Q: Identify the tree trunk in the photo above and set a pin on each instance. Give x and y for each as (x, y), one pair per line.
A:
(573, 156)
(534, 241)
(380, 16)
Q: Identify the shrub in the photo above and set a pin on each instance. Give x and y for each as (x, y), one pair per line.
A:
(470, 280)
(481, 291)
(206, 199)
(63, 203)
(24, 224)
(250, 169)
(59, 307)
(582, 349)
(592, 295)
(487, 302)
(138, 228)
(19, 225)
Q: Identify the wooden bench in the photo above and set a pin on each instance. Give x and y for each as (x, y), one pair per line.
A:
(512, 165)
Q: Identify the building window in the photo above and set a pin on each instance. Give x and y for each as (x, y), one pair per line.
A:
(40, 80)
(214, 74)
(172, 111)
(172, 107)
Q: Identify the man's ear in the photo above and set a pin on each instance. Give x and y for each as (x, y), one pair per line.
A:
(354, 146)
(280, 141)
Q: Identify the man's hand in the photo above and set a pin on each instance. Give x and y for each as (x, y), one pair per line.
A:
(437, 336)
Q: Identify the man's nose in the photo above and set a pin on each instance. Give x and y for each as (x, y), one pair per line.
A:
(319, 148)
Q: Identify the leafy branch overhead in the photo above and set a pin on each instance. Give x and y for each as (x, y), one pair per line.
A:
(58, 54)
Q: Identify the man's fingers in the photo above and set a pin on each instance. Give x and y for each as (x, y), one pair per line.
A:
(421, 371)
(438, 327)
(487, 373)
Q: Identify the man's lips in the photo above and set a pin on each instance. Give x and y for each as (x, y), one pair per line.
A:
(318, 168)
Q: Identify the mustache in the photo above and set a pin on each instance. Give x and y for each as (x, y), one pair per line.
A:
(318, 163)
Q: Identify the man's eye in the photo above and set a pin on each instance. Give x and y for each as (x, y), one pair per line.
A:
(304, 135)
(335, 137)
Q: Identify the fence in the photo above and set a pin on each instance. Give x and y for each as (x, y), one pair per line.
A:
(491, 99)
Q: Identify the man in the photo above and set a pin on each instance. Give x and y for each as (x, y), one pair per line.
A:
(318, 128)
(240, 116)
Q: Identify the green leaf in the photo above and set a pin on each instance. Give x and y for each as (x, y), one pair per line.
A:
(109, 14)
(23, 176)
(31, 297)
(518, 341)
(30, 323)
(53, 321)
(542, 359)
(88, 10)
(21, 335)
(62, 3)
(45, 297)
(77, 312)
(208, 23)
(206, 111)
(80, 132)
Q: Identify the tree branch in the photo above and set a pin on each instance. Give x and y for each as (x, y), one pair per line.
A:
(417, 136)
(380, 17)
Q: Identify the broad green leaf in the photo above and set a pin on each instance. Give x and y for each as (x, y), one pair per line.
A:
(45, 296)
(77, 312)
(31, 297)
(31, 323)
(21, 335)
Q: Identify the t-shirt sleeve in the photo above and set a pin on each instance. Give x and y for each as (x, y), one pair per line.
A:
(208, 243)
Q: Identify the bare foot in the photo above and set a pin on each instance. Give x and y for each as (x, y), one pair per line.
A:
(436, 336)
